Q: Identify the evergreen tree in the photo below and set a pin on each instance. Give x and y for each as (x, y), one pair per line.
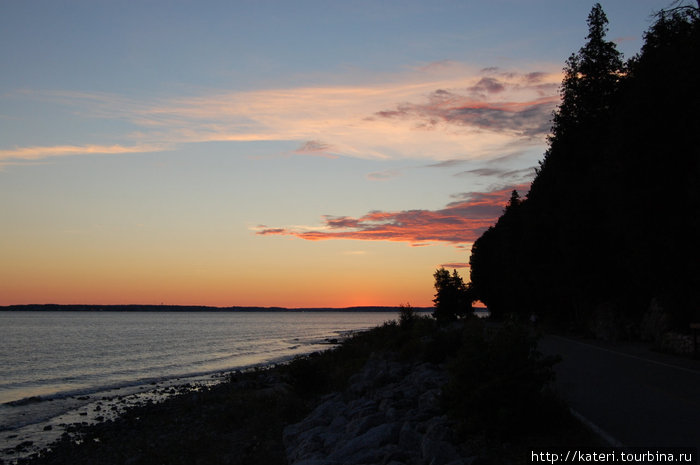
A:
(612, 218)
(452, 298)
(591, 79)
(656, 147)
(499, 275)
(566, 235)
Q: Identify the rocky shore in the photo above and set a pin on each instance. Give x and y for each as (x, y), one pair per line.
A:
(389, 414)
(418, 393)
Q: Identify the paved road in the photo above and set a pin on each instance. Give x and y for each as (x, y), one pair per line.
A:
(635, 396)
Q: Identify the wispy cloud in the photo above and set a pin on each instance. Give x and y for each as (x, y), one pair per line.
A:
(455, 265)
(518, 176)
(315, 148)
(355, 252)
(459, 222)
(383, 175)
(441, 112)
(41, 152)
(447, 163)
(521, 119)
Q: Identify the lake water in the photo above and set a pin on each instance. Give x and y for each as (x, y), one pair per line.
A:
(54, 366)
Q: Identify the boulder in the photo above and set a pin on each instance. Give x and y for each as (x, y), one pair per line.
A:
(390, 413)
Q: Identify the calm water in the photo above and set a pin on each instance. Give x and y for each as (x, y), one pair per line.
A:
(61, 356)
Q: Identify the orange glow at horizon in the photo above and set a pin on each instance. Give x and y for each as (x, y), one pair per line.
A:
(320, 287)
(273, 269)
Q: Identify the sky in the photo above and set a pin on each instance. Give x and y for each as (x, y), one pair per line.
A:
(270, 153)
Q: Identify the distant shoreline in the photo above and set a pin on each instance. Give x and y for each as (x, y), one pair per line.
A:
(192, 308)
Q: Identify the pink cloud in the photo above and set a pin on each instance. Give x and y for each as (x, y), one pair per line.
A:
(315, 147)
(459, 222)
(442, 111)
(455, 265)
(531, 118)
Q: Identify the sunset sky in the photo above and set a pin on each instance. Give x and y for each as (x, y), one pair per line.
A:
(270, 153)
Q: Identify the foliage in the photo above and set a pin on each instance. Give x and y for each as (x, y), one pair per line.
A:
(407, 316)
(498, 379)
(495, 253)
(612, 217)
(591, 79)
(452, 298)
(498, 383)
(327, 371)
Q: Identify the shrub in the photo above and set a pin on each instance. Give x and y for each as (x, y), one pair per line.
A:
(407, 316)
(498, 384)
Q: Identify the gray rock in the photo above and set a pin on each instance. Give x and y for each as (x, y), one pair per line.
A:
(361, 408)
(373, 439)
(311, 445)
(438, 452)
(409, 438)
(338, 423)
(389, 414)
(363, 424)
(439, 428)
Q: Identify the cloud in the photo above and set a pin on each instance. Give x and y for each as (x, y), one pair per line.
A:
(265, 231)
(459, 222)
(527, 119)
(443, 111)
(487, 85)
(383, 175)
(507, 158)
(455, 265)
(41, 152)
(316, 148)
(535, 77)
(490, 197)
(518, 175)
(447, 163)
(484, 172)
(502, 102)
(490, 69)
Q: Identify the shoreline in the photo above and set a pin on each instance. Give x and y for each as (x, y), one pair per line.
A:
(38, 408)
(72, 411)
(377, 397)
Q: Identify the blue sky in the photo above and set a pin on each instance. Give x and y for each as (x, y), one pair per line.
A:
(193, 152)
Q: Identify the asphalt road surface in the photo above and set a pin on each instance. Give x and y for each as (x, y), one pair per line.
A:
(629, 394)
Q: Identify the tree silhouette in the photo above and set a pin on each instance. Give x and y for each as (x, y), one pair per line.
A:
(567, 212)
(591, 78)
(452, 297)
(612, 218)
(498, 273)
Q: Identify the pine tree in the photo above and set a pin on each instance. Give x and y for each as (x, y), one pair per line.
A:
(612, 218)
(591, 78)
(452, 298)
(539, 252)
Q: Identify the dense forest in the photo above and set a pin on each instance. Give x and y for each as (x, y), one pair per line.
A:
(609, 233)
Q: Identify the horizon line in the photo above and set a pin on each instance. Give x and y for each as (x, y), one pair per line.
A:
(135, 307)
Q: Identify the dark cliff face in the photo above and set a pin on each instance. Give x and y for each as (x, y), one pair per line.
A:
(613, 216)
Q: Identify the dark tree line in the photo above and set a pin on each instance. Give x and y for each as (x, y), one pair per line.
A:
(612, 219)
